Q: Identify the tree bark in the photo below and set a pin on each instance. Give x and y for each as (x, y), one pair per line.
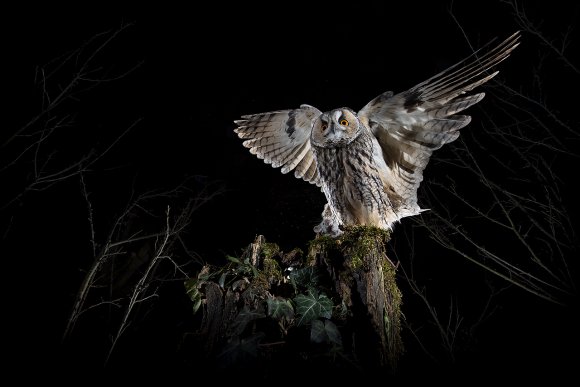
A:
(364, 280)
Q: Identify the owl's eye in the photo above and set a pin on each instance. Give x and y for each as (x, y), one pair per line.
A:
(324, 127)
(344, 122)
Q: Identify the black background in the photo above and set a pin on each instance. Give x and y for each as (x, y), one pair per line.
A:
(195, 70)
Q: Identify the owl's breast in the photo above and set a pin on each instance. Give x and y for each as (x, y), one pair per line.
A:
(352, 184)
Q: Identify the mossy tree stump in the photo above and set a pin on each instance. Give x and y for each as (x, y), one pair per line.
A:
(336, 307)
(364, 279)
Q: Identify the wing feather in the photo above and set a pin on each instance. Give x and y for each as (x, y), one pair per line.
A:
(410, 125)
(306, 169)
(282, 138)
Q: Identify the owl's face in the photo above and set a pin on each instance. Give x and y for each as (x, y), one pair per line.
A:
(336, 128)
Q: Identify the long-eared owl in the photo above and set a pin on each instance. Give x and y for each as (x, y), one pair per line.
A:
(370, 164)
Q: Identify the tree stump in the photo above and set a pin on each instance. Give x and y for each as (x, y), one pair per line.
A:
(272, 310)
(364, 279)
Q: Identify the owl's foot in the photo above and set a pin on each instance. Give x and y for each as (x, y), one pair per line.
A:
(329, 226)
(331, 230)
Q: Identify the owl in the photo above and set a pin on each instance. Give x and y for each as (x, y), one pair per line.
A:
(370, 163)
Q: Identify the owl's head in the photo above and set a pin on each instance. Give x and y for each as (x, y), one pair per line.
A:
(336, 128)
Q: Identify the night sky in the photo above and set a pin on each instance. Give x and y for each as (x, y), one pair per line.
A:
(158, 105)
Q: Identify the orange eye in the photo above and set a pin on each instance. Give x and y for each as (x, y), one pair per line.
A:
(324, 127)
(344, 122)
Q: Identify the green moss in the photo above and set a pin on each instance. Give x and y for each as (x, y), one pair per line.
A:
(356, 261)
(364, 240)
(356, 234)
(270, 249)
(390, 283)
(272, 269)
(392, 313)
(269, 272)
(355, 243)
(322, 243)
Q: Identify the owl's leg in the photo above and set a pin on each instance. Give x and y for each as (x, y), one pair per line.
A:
(329, 225)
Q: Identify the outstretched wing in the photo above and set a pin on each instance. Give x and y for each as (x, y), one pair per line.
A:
(282, 138)
(410, 125)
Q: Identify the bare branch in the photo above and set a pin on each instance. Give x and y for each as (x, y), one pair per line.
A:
(142, 285)
(529, 26)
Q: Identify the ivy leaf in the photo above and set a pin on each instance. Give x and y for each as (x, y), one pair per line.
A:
(190, 286)
(317, 332)
(193, 292)
(222, 280)
(280, 308)
(332, 332)
(196, 304)
(305, 277)
(245, 317)
(325, 332)
(254, 270)
(233, 259)
(311, 306)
